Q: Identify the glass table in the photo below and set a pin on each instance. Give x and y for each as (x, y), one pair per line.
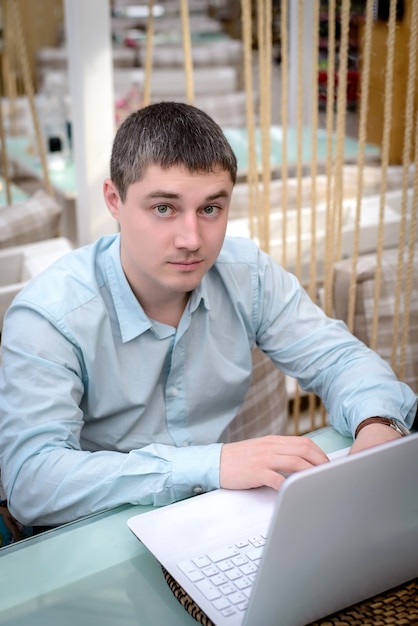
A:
(94, 571)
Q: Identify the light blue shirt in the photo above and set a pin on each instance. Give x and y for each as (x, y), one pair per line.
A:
(100, 405)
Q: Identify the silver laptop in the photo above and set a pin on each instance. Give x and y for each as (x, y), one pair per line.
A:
(332, 536)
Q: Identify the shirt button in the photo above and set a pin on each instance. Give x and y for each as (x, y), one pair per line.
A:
(174, 392)
(198, 490)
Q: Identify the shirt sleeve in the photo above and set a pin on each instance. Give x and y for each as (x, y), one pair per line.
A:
(48, 478)
(353, 381)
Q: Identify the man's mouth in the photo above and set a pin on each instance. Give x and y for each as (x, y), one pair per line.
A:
(186, 264)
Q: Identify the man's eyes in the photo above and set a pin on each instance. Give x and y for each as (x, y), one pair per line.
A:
(210, 210)
(165, 210)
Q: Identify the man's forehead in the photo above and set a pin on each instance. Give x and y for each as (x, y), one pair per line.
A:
(175, 180)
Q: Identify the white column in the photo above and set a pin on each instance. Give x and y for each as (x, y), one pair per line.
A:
(91, 91)
(294, 17)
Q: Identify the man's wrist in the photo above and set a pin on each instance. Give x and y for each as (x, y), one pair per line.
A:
(396, 425)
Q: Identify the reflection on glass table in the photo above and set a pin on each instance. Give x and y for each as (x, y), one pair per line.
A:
(95, 571)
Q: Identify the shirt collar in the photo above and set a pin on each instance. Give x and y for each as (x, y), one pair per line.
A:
(132, 318)
(200, 294)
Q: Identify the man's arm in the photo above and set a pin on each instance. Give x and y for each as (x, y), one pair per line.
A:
(353, 382)
(48, 477)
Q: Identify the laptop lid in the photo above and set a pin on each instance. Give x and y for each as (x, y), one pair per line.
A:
(337, 534)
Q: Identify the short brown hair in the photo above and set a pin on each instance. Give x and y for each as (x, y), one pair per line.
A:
(168, 134)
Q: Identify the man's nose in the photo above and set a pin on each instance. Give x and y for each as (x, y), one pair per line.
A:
(188, 233)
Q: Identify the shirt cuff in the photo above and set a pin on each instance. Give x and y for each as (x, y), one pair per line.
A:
(196, 470)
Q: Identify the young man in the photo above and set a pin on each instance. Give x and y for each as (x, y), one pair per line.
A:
(125, 361)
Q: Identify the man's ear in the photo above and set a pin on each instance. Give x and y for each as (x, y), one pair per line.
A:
(111, 197)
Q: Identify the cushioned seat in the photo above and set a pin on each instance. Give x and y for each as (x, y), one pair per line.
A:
(34, 219)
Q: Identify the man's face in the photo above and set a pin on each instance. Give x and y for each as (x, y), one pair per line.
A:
(172, 227)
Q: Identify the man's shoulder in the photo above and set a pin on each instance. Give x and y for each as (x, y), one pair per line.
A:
(70, 281)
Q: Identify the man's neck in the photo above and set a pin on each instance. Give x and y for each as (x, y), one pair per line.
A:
(167, 312)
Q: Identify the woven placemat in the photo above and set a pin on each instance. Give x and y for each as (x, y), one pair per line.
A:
(397, 607)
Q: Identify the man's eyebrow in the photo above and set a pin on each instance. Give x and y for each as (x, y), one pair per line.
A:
(162, 194)
(222, 193)
(170, 195)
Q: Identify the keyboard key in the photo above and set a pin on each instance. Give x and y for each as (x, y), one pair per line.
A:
(254, 554)
(222, 554)
(210, 570)
(209, 591)
(227, 589)
(249, 568)
(239, 560)
(201, 561)
(233, 574)
(228, 612)
(192, 573)
(258, 541)
(224, 566)
(219, 579)
(243, 583)
(237, 598)
(221, 603)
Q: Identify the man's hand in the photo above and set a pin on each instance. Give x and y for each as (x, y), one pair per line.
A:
(373, 435)
(263, 461)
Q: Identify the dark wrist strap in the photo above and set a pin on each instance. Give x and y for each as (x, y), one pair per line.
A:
(385, 421)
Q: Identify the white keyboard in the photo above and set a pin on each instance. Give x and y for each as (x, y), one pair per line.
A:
(225, 577)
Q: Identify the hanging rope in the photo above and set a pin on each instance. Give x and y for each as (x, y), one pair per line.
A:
(340, 139)
(14, 23)
(406, 159)
(187, 49)
(252, 173)
(387, 123)
(9, 56)
(341, 122)
(264, 14)
(284, 117)
(329, 215)
(298, 209)
(148, 54)
(364, 106)
(6, 79)
(411, 252)
(314, 157)
(314, 167)
(4, 161)
(299, 139)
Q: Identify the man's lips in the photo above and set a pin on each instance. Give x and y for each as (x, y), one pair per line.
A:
(186, 264)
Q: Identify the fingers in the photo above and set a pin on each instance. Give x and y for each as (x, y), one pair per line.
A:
(265, 461)
(297, 450)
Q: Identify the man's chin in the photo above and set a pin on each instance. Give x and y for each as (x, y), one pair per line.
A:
(186, 284)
